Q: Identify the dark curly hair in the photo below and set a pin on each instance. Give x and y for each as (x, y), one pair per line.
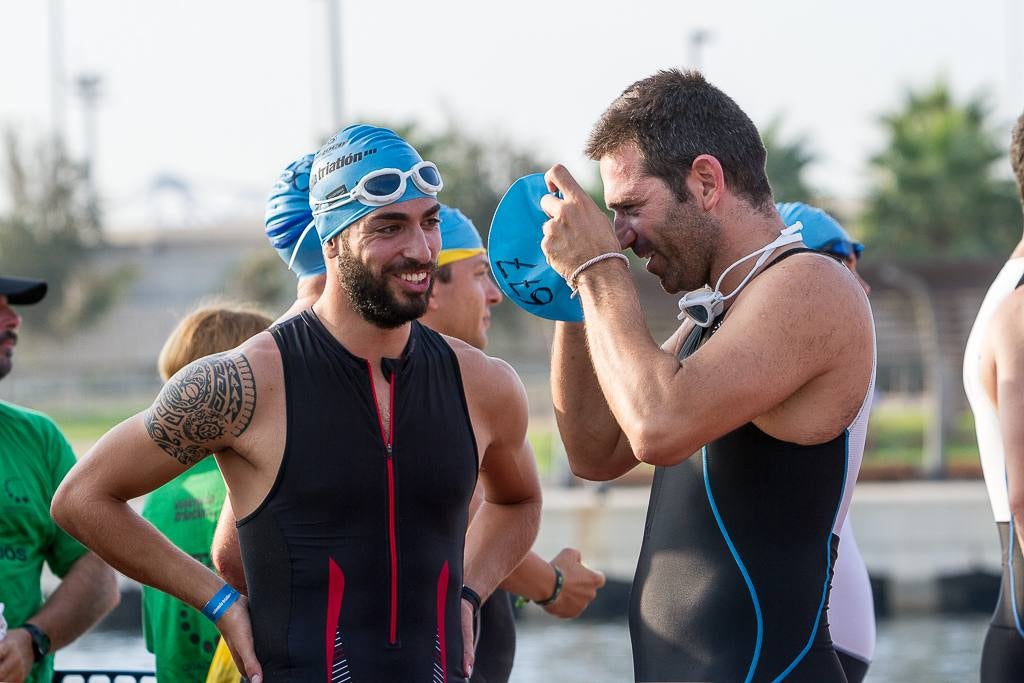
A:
(675, 116)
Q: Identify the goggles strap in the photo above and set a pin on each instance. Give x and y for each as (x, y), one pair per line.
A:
(787, 236)
(790, 235)
(298, 243)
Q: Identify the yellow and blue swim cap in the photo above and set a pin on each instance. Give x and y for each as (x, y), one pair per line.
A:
(459, 237)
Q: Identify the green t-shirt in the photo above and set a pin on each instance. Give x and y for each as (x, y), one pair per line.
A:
(185, 510)
(34, 457)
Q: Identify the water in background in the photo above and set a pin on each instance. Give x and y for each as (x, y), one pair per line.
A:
(930, 649)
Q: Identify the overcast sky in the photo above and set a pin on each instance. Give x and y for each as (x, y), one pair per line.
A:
(223, 94)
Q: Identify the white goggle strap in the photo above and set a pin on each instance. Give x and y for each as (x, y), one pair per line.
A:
(790, 235)
(298, 243)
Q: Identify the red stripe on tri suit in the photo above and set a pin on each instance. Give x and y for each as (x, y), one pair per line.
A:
(442, 598)
(335, 593)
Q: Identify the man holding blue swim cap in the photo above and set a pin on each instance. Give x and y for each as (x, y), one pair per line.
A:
(350, 437)
(743, 412)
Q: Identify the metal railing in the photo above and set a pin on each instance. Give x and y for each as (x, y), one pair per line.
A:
(103, 676)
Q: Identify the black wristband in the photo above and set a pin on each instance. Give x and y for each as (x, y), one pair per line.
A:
(472, 597)
(559, 580)
(40, 641)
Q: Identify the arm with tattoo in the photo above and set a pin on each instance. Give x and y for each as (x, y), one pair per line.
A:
(201, 410)
(201, 405)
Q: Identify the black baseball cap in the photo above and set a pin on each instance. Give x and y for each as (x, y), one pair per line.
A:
(22, 290)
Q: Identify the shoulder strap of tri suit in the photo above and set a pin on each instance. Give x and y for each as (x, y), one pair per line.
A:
(793, 252)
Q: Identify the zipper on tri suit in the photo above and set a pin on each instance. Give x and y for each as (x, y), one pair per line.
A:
(389, 440)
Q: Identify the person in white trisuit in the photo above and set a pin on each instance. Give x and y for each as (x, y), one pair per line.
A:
(851, 608)
(994, 381)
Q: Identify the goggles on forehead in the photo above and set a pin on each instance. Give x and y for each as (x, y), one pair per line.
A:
(385, 186)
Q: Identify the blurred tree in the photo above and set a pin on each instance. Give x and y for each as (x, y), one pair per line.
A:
(787, 161)
(476, 171)
(53, 230)
(260, 278)
(936, 187)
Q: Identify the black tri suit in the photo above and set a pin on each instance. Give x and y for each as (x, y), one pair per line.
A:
(735, 569)
(354, 560)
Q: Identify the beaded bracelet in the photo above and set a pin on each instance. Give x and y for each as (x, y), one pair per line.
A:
(586, 264)
(559, 580)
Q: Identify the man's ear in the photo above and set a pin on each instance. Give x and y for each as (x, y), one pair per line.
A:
(707, 181)
(332, 247)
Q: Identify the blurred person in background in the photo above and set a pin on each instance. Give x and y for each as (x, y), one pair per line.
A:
(288, 223)
(851, 606)
(994, 382)
(459, 307)
(186, 508)
(351, 438)
(34, 457)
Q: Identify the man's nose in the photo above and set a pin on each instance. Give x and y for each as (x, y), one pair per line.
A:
(624, 232)
(9, 320)
(864, 284)
(494, 296)
(422, 246)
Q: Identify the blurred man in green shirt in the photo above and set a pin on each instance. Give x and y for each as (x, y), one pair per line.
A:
(34, 457)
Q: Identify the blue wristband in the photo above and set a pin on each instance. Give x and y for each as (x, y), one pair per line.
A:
(220, 603)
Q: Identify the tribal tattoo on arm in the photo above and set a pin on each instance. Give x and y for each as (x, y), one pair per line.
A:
(201, 404)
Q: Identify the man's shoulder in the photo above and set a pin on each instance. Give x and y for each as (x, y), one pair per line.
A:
(1007, 324)
(257, 353)
(475, 364)
(811, 282)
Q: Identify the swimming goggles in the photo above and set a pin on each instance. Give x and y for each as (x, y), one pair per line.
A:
(384, 186)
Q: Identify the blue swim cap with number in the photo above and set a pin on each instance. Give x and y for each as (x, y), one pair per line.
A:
(459, 237)
(346, 159)
(821, 231)
(289, 220)
(517, 261)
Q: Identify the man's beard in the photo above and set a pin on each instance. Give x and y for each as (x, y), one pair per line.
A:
(7, 354)
(690, 238)
(371, 296)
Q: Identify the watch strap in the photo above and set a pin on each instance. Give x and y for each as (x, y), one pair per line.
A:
(40, 641)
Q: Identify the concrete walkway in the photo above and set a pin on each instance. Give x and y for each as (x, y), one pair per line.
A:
(911, 534)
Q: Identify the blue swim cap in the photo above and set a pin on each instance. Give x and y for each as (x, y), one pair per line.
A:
(344, 160)
(517, 261)
(821, 231)
(288, 220)
(459, 237)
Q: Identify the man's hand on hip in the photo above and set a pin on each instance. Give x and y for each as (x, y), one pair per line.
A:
(236, 628)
